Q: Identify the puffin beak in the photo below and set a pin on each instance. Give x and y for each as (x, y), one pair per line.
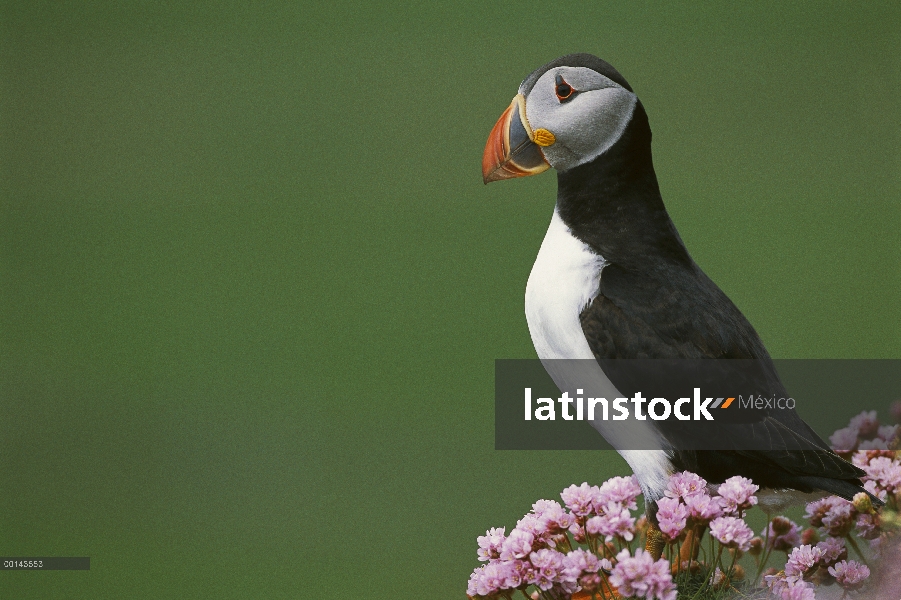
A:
(513, 149)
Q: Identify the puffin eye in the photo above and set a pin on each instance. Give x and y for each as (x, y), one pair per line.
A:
(563, 90)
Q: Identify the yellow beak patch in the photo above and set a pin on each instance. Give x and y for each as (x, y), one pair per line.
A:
(543, 137)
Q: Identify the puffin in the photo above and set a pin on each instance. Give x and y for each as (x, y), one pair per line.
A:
(614, 294)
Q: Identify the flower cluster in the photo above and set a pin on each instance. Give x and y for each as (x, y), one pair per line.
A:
(823, 563)
(590, 546)
(688, 506)
(541, 552)
(834, 515)
(731, 532)
(865, 433)
(872, 447)
(642, 576)
(849, 574)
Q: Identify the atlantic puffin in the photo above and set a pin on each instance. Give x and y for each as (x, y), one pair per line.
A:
(613, 280)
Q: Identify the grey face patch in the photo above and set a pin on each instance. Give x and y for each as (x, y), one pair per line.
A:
(587, 124)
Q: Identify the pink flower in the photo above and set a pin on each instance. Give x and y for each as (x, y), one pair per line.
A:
(833, 550)
(580, 499)
(580, 561)
(594, 525)
(490, 543)
(888, 433)
(819, 508)
(614, 522)
(799, 590)
(872, 487)
(475, 580)
(868, 526)
(513, 572)
(581, 568)
(866, 424)
(790, 587)
(552, 516)
(623, 490)
(850, 574)
(532, 524)
(839, 519)
(643, 577)
(684, 485)
(784, 534)
(492, 578)
(732, 532)
(542, 506)
(885, 471)
(517, 545)
(802, 559)
(737, 493)
(547, 567)
(874, 444)
(844, 440)
(671, 517)
(703, 508)
(775, 582)
(541, 534)
(863, 457)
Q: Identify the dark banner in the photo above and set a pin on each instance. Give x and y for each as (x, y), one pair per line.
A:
(741, 405)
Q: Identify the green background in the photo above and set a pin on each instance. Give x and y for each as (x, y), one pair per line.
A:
(252, 286)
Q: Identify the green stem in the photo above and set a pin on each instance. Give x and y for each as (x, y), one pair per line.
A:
(709, 575)
(856, 549)
(581, 521)
(606, 583)
(761, 566)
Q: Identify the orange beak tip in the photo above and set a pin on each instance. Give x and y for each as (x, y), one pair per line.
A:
(496, 150)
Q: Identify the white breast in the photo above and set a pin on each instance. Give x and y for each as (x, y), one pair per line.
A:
(564, 280)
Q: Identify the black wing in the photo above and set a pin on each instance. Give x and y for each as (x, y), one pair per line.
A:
(676, 312)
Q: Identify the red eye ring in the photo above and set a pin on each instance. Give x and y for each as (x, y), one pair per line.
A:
(563, 90)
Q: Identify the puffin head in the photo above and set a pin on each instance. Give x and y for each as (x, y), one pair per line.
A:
(567, 113)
